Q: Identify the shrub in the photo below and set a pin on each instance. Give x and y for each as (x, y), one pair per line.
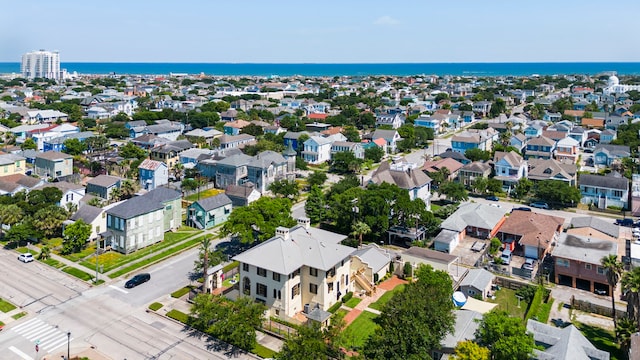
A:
(495, 245)
(335, 307)
(526, 293)
(181, 292)
(178, 315)
(407, 269)
(391, 268)
(347, 297)
(155, 306)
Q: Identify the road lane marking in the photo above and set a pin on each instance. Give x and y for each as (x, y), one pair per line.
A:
(117, 288)
(52, 348)
(20, 353)
(42, 335)
(30, 322)
(34, 330)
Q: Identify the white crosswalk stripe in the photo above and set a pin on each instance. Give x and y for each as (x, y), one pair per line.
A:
(48, 336)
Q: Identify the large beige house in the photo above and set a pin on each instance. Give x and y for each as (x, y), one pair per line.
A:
(300, 271)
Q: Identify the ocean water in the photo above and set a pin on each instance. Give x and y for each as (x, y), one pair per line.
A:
(401, 69)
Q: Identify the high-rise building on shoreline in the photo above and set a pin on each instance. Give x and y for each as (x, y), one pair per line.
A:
(41, 64)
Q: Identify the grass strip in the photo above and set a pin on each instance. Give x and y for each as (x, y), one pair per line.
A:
(6, 306)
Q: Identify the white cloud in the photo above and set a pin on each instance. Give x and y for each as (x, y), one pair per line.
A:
(386, 20)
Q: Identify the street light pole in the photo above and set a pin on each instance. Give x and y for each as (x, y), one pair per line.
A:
(68, 344)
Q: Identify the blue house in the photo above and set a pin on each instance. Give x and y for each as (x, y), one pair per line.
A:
(209, 212)
(428, 122)
(607, 136)
(153, 174)
(57, 144)
(291, 139)
(605, 154)
(533, 131)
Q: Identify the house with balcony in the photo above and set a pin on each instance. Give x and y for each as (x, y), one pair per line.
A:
(529, 233)
(406, 176)
(268, 167)
(342, 146)
(551, 169)
(606, 154)
(567, 150)
(482, 107)
(470, 172)
(540, 148)
(152, 174)
(391, 137)
(429, 122)
(317, 150)
(169, 153)
(300, 271)
(53, 164)
(142, 220)
(579, 134)
(577, 261)
(395, 120)
(603, 191)
(231, 170)
(509, 168)
(474, 139)
(209, 212)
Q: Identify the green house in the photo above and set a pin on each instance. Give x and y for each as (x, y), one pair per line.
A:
(209, 212)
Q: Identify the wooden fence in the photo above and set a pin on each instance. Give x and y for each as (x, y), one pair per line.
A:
(589, 307)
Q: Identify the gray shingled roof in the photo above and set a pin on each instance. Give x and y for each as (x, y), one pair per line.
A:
(430, 254)
(265, 159)
(104, 180)
(375, 257)
(407, 180)
(584, 248)
(608, 182)
(311, 247)
(214, 202)
(563, 343)
(473, 214)
(596, 223)
(87, 213)
(478, 278)
(135, 206)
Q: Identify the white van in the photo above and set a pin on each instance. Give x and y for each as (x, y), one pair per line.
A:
(506, 257)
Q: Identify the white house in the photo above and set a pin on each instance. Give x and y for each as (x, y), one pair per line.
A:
(317, 150)
(300, 270)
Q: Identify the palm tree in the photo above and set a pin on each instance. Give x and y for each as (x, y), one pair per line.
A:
(45, 253)
(205, 246)
(613, 269)
(625, 328)
(631, 289)
(176, 171)
(128, 188)
(10, 214)
(359, 229)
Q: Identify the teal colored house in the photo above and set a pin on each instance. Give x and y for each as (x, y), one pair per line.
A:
(209, 212)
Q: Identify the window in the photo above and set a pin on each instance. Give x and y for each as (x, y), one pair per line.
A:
(313, 288)
(261, 290)
(245, 267)
(261, 271)
(600, 270)
(295, 290)
(346, 280)
(331, 272)
(562, 262)
(587, 266)
(329, 287)
(276, 276)
(313, 271)
(246, 286)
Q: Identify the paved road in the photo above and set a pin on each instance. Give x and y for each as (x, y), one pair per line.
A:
(109, 317)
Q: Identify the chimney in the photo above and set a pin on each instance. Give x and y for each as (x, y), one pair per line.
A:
(305, 222)
(283, 232)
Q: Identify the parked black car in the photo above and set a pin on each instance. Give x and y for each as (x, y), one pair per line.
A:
(522, 208)
(137, 280)
(624, 222)
(492, 198)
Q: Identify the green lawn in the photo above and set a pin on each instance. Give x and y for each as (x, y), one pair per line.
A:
(75, 257)
(435, 207)
(6, 306)
(53, 263)
(178, 315)
(378, 305)
(111, 259)
(507, 301)
(263, 352)
(157, 257)
(203, 194)
(601, 339)
(356, 334)
(78, 273)
(19, 315)
(341, 312)
(352, 302)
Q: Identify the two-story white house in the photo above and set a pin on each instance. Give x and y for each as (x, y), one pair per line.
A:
(604, 191)
(510, 167)
(317, 150)
(301, 270)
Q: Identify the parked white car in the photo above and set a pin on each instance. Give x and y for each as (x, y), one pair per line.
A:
(26, 257)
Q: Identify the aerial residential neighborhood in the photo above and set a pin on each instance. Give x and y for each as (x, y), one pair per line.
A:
(329, 203)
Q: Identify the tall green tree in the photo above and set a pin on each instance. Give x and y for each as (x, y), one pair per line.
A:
(453, 191)
(505, 336)
(345, 162)
(316, 178)
(75, 237)
(131, 151)
(49, 220)
(10, 214)
(74, 147)
(469, 350)
(207, 257)
(415, 320)
(259, 220)
(476, 154)
(315, 205)
(631, 289)
(311, 342)
(359, 229)
(374, 154)
(285, 188)
(522, 188)
(29, 144)
(613, 269)
(555, 191)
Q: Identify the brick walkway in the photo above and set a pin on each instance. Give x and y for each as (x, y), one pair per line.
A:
(363, 305)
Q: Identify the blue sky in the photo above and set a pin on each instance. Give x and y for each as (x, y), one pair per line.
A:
(327, 31)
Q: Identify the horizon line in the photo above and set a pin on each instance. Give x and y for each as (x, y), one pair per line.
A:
(343, 63)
